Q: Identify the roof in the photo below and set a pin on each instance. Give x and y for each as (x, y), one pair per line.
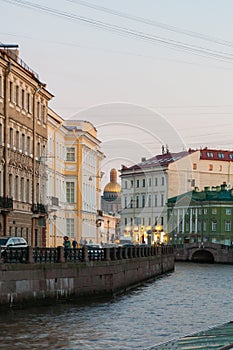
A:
(218, 338)
(219, 193)
(160, 160)
(163, 160)
(214, 154)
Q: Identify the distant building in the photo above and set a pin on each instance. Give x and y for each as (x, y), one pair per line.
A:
(111, 199)
(146, 186)
(204, 216)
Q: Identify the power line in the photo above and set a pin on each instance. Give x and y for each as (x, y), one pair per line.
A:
(153, 23)
(177, 45)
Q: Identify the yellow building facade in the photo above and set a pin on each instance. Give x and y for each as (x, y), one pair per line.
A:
(73, 163)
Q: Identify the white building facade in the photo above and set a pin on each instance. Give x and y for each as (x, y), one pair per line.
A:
(147, 186)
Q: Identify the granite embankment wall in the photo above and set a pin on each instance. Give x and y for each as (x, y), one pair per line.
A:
(34, 283)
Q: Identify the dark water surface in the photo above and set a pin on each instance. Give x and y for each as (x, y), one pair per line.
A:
(192, 298)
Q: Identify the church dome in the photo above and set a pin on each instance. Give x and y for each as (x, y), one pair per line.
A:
(112, 189)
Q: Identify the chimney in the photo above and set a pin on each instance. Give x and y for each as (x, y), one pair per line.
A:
(143, 159)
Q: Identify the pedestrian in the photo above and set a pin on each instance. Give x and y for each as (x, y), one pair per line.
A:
(74, 244)
(66, 243)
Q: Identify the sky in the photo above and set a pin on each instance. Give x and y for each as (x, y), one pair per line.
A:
(145, 73)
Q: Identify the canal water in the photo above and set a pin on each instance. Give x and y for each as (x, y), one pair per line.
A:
(193, 298)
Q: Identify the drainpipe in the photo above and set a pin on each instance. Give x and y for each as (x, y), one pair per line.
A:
(37, 90)
(6, 142)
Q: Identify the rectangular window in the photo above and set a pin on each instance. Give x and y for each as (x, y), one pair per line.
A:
(131, 203)
(194, 166)
(228, 225)
(137, 183)
(28, 103)
(70, 192)
(125, 202)
(143, 201)
(156, 181)
(23, 143)
(162, 200)
(28, 145)
(70, 227)
(125, 184)
(214, 210)
(16, 188)
(70, 154)
(11, 137)
(143, 182)
(162, 181)
(210, 167)
(156, 200)
(137, 202)
(205, 211)
(17, 95)
(23, 98)
(131, 182)
(11, 91)
(214, 225)
(149, 200)
(38, 150)
(10, 185)
(38, 110)
(28, 191)
(43, 113)
(22, 189)
(204, 225)
(228, 211)
(125, 221)
(149, 182)
(17, 140)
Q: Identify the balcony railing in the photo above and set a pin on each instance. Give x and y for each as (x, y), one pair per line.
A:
(39, 208)
(6, 203)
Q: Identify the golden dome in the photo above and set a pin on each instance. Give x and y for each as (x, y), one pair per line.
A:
(113, 186)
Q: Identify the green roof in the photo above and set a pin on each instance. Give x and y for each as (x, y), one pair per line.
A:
(220, 337)
(207, 195)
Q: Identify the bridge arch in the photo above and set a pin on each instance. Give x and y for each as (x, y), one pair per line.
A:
(202, 256)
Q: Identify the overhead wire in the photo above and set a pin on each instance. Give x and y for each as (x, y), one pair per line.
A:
(177, 45)
(153, 23)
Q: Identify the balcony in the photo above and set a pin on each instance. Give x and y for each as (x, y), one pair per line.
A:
(39, 208)
(6, 203)
(53, 204)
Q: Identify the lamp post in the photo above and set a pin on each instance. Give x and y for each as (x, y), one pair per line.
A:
(108, 221)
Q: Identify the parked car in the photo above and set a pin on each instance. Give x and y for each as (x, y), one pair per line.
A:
(12, 242)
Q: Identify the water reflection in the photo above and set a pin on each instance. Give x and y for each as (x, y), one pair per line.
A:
(190, 299)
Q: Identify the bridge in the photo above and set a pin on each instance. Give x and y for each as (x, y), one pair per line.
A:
(204, 252)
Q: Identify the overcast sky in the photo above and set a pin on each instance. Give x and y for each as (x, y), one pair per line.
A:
(145, 73)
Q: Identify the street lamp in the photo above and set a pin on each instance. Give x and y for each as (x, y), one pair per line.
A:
(108, 221)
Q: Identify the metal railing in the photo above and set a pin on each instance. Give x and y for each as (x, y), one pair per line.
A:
(60, 255)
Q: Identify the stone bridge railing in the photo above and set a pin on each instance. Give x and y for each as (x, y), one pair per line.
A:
(59, 255)
(204, 251)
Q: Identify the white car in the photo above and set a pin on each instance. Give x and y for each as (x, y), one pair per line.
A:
(12, 242)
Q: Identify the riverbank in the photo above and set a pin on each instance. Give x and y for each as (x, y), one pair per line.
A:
(33, 283)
